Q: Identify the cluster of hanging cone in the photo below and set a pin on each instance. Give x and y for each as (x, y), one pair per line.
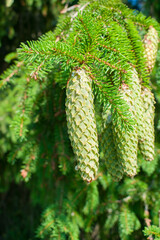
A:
(119, 145)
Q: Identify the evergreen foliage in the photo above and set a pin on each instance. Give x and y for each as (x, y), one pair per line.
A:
(103, 40)
(152, 230)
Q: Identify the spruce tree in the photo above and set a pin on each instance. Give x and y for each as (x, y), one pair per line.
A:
(83, 100)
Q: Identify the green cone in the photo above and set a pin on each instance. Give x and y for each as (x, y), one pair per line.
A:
(144, 114)
(126, 141)
(112, 162)
(138, 109)
(151, 47)
(82, 124)
(146, 141)
(146, 144)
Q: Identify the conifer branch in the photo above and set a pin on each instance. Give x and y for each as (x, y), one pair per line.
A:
(108, 64)
(139, 51)
(147, 219)
(99, 38)
(80, 10)
(68, 9)
(116, 51)
(11, 72)
(36, 71)
(47, 226)
(152, 230)
(116, 102)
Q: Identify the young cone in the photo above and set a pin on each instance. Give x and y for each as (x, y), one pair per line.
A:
(138, 109)
(126, 141)
(112, 162)
(151, 47)
(146, 140)
(81, 124)
(144, 114)
(146, 144)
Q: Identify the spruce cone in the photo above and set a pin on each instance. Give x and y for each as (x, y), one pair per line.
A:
(138, 108)
(146, 143)
(112, 162)
(126, 141)
(146, 140)
(144, 113)
(82, 124)
(151, 47)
